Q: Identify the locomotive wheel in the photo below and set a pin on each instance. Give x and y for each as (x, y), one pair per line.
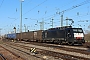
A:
(70, 43)
(60, 42)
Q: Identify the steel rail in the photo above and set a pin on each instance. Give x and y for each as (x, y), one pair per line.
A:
(2, 57)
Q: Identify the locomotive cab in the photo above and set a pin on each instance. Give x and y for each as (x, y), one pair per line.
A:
(75, 36)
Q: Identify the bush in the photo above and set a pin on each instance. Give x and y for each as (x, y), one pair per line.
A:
(87, 37)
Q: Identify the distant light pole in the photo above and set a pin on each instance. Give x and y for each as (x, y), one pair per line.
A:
(25, 27)
(14, 32)
(21, 19)
(14, 29)
(52, 22)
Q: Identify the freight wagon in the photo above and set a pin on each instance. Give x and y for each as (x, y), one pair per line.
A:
(26, 36)
(11, 36)
(59, 35)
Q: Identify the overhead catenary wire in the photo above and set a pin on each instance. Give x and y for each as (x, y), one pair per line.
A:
(52, 10)
(58, 8)
(48, 17)
(35, 7)
(68, 3)
(83, 3)
(28, 2)
(44, 14)
(73, 7)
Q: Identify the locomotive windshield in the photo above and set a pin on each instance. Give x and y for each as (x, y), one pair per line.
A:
(78, 30)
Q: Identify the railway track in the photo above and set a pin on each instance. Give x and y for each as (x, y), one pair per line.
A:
(26, 52)
(55, 51)
(78, 49)
(2, 57)
(6, 54)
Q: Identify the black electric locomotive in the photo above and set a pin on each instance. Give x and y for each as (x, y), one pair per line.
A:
(65, 34)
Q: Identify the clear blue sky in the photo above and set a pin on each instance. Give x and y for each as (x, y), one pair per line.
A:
(37, 10)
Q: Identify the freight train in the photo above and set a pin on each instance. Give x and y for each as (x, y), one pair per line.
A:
(60, 35)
